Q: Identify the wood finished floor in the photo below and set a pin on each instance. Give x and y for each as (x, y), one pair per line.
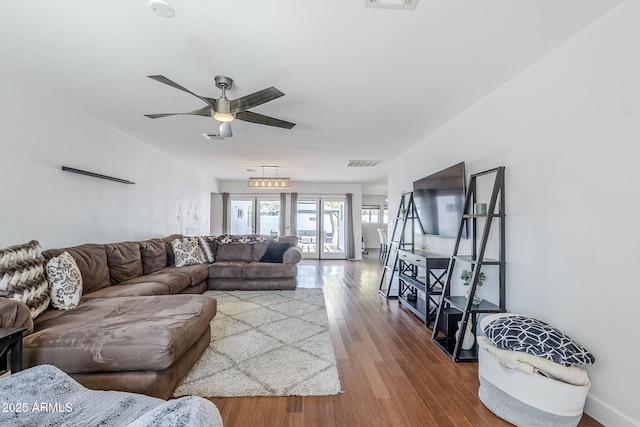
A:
(390, 371)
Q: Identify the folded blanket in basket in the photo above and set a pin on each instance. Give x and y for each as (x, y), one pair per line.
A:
(531, 364)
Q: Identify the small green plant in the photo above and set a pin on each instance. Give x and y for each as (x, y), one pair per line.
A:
(467, 275)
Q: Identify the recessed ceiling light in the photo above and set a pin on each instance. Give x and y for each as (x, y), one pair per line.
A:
(162, 8)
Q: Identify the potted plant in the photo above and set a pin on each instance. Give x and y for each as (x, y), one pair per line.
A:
(466, 276)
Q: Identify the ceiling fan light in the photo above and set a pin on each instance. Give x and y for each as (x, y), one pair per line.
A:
(223, 117)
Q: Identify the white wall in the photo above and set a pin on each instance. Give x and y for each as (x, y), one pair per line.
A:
(321, 190)
(39, 134)
(568, 132)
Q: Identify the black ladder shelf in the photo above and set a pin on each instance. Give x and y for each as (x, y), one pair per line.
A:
(460, 308)
(406, 213)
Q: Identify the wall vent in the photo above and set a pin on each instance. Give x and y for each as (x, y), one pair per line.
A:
(392, 4)
(362, 163)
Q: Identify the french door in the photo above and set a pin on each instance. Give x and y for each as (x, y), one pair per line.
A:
(254, 216)
(321, 228)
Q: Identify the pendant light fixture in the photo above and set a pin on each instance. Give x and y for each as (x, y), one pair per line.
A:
(269, 182)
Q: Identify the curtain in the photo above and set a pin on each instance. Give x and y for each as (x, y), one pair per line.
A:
(293, 223)
(283, 213)
(351, 240)
(225, 213)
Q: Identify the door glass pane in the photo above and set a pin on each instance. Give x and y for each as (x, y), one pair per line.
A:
(269, 219)
(307, 220)
(333, 228)
(241, 217)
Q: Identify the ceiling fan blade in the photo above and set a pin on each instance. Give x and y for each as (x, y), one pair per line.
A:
(249, 116)
(255, 99)
(163, 79)
(204, 111)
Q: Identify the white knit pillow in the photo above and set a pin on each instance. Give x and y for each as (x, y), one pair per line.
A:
(187, 251)
(22, 276)
(65, 281)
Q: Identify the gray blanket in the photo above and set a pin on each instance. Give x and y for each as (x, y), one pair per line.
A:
(46, 396)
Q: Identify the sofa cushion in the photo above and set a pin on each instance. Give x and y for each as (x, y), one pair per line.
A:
(226, 270)
(131, 290)
(196, 273)
(133, 334)
(92, 262)
(175, 282)
(154, 255)
(22, 276)
(259, 250)
(65, 281)
(235, 252)
(266, 270)
(275, 251)
(187, 251)
(293, 240)
(124, 261)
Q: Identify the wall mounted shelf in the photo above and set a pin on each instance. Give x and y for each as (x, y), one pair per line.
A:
(95, 175)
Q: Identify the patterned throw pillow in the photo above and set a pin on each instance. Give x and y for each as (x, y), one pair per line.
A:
(244, 238)
(533, 336)
(187, 251)
(65, 281)
(206, 249)
(22, 276)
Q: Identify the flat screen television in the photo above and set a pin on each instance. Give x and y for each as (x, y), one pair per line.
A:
(439, 199)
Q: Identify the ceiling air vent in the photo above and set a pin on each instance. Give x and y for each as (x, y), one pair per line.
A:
(362, 163)
(392, 4)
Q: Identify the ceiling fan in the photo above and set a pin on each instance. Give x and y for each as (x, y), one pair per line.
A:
(225, 110)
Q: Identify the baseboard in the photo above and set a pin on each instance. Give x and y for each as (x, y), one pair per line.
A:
(605, 414)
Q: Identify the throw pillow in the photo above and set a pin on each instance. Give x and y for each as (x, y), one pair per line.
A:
(234, 252)
(533, 336)
(65, 281)
(187, 251)
(22, 276)
(206, 249)
(275, 252)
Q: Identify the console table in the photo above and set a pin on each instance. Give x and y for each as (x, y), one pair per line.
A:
(421, 278)
(11, 341)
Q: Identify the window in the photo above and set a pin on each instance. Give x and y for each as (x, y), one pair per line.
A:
(385, 215)
(370, 214)
(243, 219)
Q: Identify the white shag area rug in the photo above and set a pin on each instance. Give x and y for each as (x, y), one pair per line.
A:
(266, 343)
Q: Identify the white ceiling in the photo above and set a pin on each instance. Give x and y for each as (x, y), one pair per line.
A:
(361, 83)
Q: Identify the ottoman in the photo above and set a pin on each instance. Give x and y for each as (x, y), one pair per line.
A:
(143, 344)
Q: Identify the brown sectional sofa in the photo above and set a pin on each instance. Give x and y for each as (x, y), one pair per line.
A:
(141, 326)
